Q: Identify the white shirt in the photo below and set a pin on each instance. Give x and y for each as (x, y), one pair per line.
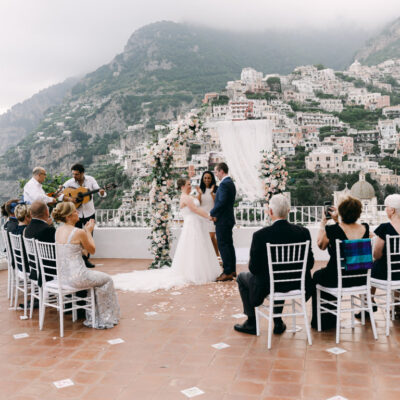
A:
(226, 176)
(33, 191)
(85, 210)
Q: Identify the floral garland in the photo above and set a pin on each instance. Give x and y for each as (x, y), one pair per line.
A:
(161, 159)
(273, 173)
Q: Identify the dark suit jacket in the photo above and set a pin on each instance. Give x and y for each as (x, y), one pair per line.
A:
(43, 232)
(224, 201)
(280, 232)
(11, 224)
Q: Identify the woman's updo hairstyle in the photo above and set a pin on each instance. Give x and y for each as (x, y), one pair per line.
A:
(181, 182)
(22, 211)
(350, 210)
(62, 211)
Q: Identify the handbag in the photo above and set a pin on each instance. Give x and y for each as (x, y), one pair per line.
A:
(357, 254)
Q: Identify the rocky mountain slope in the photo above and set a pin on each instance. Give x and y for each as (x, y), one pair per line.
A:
(382, 47)
(25, 116)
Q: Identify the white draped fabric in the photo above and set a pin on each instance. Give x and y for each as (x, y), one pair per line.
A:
(242, 143)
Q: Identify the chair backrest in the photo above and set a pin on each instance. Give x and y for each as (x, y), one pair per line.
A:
(17, 249)
(344, 277)
(287, 264)
(46, 253)
(33, 261)
(6, 241)
(393, 255)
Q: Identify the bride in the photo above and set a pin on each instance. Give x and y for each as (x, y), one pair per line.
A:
(194, 262)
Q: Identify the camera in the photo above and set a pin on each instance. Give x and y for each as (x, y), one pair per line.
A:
(327, 208)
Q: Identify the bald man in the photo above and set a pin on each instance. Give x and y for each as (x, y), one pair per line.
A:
(33, 189)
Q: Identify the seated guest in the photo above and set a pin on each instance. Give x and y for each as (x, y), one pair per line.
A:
(349, 211)
(379, 270)
(12, 221)
(254, 286)
(40, 229)
(23, 215)
(70, 242)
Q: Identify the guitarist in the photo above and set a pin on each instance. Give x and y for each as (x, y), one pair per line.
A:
(86, 211)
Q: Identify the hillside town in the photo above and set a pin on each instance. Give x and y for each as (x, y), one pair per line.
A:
(344, 121)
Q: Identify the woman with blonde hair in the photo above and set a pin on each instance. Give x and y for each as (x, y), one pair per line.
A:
(23, 214)
(70, 242)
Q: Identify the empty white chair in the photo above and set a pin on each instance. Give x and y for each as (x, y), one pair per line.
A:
(391, 288)
(11, 272)
(36, 290)
(356, 293)
(22, 281)
(286, 263)
(55, 293)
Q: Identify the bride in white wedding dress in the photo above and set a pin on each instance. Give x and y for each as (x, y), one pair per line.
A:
(194, 262)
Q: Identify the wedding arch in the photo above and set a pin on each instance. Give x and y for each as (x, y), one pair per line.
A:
(161, 154)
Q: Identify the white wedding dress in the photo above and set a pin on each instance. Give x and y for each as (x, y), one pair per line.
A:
(194, 262)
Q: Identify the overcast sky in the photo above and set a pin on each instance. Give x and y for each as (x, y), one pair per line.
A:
(42, 42)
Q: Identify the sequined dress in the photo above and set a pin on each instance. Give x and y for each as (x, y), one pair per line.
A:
(73, 272)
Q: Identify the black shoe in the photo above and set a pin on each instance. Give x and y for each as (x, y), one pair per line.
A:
(35, 304)
(246, 327)
(279, 328)
(358, 315)
(89, 264)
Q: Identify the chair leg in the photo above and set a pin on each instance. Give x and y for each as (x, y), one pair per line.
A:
(319, 310)
(339, 305)
(293, 316)
(25, 298)
(93, 308)
(388, 297)
(371, 315)
(306, 322)
(393, 301)
(32, 299)
(363, 311)
(40, 302)
(257, 322)
(12, 284)
(61, 304)
(271, 307)
(42, 309)
(16, 291)
(8, 283)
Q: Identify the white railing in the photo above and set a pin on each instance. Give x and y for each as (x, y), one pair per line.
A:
(245, 216)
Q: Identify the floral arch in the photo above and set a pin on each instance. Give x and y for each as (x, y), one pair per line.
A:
(272, 172)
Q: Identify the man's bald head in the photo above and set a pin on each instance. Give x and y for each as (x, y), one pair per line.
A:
(39, 210)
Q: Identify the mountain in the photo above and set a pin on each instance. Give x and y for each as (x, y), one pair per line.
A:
(23, 117)
(384, 46)
(164, 70)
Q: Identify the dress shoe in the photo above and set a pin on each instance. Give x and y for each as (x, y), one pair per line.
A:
(35, 304)
(358, 315)
(225, 277)
(279, 328)
(89, 264)
(246, 327)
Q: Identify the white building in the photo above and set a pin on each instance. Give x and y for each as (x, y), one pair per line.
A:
(325, 159)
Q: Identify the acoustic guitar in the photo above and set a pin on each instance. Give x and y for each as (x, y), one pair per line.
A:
(83, 195)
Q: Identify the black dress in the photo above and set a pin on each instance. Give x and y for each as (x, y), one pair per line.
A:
(379, 270)
(328, 276)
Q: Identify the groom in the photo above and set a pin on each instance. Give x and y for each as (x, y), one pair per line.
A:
(224, 220)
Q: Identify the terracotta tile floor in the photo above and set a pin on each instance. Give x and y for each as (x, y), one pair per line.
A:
(171, 351)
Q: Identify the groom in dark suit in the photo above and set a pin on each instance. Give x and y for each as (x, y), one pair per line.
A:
(224, 220)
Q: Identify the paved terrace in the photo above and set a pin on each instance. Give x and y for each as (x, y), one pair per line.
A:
(171, 351)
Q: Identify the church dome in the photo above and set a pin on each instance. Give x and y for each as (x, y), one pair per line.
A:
(362, 189)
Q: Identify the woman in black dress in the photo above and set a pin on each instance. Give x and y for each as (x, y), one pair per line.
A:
(349, 211)
(379, 270)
